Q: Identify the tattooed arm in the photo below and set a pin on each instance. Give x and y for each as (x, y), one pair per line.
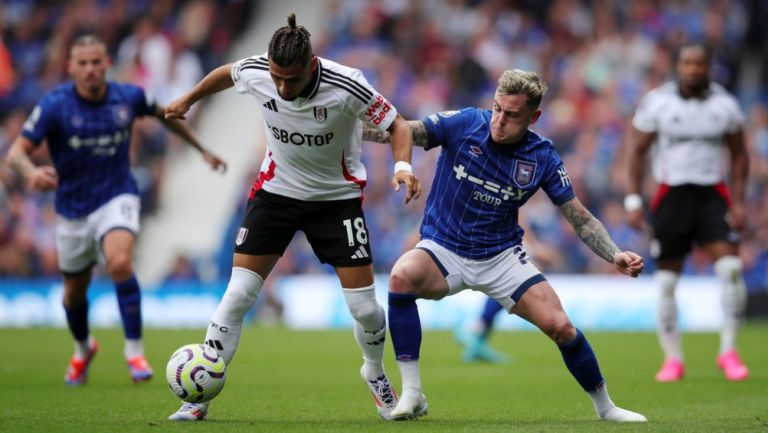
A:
(417, 128)
(596, 237)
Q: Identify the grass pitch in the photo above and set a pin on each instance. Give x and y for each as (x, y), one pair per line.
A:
(302, 381)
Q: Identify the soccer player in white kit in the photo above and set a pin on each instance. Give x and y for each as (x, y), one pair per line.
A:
(312, 180)
(692, 122)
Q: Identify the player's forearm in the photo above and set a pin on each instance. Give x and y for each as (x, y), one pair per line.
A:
(640, 144)
(591, 231)
(18, 159)
(184, 131)
(217, 80)
(739, 171)
(418, 134)
(401, 141)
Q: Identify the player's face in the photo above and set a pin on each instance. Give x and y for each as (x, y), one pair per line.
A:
(88, 66)
(291, 80)
(693, 68)
(511, 117)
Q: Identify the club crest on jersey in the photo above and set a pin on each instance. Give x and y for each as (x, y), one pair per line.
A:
(122, 115)
(241, 235)
(321, 113)
(524, 173)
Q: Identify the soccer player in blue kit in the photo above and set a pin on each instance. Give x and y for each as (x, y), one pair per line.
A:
(491, 164)
(87, 124)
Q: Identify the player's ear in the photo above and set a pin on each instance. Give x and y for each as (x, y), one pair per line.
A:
(535, 116)
(313, 64)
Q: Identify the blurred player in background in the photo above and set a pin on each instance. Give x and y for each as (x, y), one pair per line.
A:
(692, 121)
(312, 180)
(87, 125)
(473, 335)
(490, 165)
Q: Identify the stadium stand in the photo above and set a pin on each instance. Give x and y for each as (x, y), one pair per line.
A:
(598, 56)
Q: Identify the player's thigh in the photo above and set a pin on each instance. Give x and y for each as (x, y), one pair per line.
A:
(673, 229)
(337, 232)
(419, 272)
(541, 306)
(506, 276)
(76, 245)
(269, 223)
(714, 234)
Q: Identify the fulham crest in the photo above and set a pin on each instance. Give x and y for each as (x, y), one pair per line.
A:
(241, 235)
(321, 113)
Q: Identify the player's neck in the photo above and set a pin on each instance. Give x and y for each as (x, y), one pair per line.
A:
(693, 92)
(92, 95)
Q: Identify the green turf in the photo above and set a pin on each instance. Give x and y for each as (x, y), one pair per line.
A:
(292, 381)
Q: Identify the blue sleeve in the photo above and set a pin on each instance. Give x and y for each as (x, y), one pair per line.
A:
(556, 182)
(441, 127)
(39, 121)
(144, 103)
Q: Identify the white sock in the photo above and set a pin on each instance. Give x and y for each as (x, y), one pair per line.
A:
(133, 348)
(601, 400)
(369, 328)
(83, 347)
(409, 372)
(733, 298)
(227, 322)
(666, 320)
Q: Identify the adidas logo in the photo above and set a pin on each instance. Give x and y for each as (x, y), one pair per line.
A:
(271, 105)
(360, 253)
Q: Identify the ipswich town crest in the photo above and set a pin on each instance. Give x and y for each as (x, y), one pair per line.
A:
(524, 173)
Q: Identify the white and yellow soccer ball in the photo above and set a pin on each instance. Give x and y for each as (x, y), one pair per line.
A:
(196, 373)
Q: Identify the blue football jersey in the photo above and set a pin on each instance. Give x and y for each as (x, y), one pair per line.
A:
(89, 143)
(479, 185)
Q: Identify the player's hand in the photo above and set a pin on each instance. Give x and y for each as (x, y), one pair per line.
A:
(411, 182)
(628, 263)
(44, 178)
(215, 162)
(737, 217)
(177, 109)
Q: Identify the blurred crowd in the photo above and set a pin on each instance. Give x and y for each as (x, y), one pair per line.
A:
(597, 56)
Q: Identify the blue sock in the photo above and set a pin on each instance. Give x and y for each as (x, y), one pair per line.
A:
(129, 301)
(581, 362)
(404, 326)
(490, 311)
(77, 319)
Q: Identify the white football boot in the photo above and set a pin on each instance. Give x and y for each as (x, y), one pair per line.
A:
(618, 414)
(412, 404)
(190, 412)
(384, 394)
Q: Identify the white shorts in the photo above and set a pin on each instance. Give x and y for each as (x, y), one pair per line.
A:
(504, 277)
(78, 241)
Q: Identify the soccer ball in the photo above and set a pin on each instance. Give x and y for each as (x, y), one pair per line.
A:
(195, 373)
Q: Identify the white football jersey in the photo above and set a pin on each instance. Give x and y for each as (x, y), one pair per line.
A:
(314, 142)
(690, 142)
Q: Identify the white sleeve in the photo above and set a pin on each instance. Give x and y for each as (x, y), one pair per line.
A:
(246, 70)
(369, 104)
(645, 119)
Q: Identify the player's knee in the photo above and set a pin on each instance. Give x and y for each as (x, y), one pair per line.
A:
(119, 266)
(401, 282)
(73, 298)
(560, 331)
(243, 289)
(728, 268)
